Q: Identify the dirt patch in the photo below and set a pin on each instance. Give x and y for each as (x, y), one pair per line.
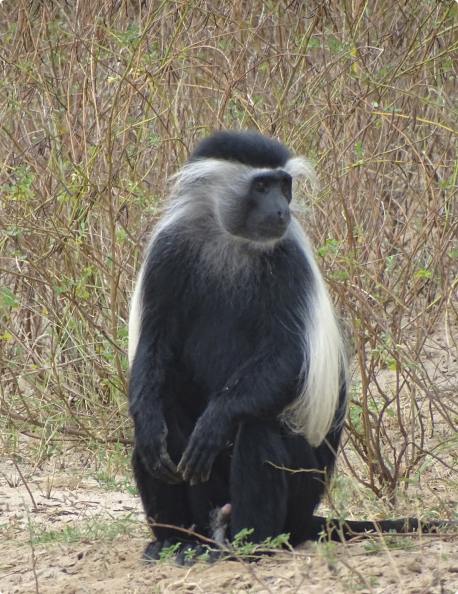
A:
(430, 567)
(83, 539)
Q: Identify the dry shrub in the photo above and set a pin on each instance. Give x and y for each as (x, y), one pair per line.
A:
(101, 101)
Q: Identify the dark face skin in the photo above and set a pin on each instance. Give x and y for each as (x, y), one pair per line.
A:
(263, 213)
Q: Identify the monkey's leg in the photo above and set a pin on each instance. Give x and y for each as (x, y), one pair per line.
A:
(163, 503)
(259, 487)
(307, 483)
(205, 498)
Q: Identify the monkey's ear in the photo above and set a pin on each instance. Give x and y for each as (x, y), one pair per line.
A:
(299, 167)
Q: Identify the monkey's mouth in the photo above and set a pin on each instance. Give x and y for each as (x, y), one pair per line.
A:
(270, 231)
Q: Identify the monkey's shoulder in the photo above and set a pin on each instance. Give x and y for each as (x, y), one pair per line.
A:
(166, 267)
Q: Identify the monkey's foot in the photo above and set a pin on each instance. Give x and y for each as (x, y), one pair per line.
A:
(154, 548)
(192, 552)
(183, 553)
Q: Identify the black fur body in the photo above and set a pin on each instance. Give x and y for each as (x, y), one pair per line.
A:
(230, 362)
(219, 355)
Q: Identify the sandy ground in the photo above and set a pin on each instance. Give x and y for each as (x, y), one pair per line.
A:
(87, 539)
(431, 567)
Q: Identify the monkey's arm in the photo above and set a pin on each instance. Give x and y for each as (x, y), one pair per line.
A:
(145, 406)
(262, 389)
(162, 281)
(153, 357)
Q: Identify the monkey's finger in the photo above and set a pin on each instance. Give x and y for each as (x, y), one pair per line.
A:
(167, 462)
(161, 466)
(206, 474)
(201, 468)
(166, 477)
(202, 478)
(187, 472)
(168, 469)
(199, 478)
(159, 463)
(188, 460)
(162, 473)
(207, 469)
(190, 464)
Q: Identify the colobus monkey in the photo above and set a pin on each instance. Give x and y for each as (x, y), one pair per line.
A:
(237, 368)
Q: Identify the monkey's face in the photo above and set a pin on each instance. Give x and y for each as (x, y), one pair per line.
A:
(262, 213)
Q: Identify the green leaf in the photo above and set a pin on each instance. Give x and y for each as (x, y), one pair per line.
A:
(7, 298)
(423, 273)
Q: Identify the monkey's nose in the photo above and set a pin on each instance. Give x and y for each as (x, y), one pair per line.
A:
(284, 215)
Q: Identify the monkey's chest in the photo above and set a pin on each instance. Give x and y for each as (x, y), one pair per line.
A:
(218, 341)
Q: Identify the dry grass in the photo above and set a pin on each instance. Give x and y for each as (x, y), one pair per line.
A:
(101, 101)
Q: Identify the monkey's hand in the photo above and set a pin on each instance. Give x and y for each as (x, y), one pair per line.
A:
(206, 442)
(152, 447)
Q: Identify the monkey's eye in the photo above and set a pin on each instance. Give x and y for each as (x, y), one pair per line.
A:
(286, 189)
(260, 185)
